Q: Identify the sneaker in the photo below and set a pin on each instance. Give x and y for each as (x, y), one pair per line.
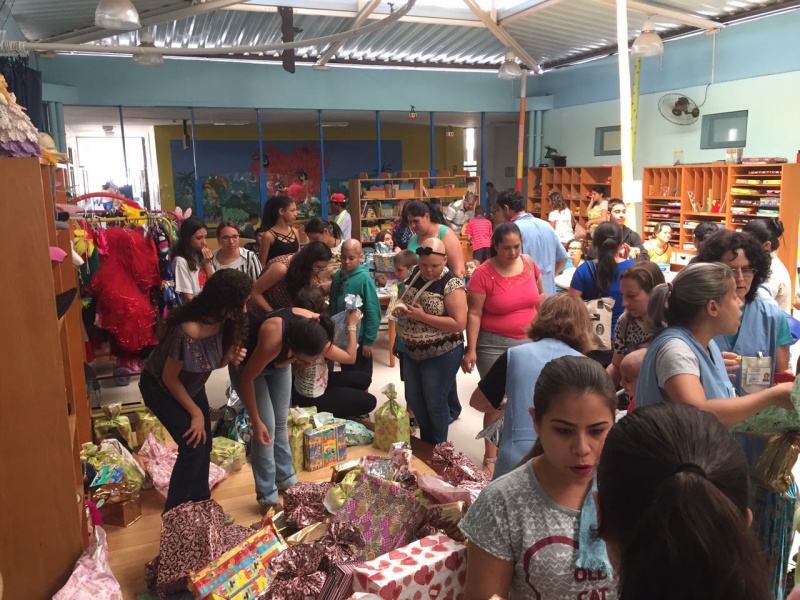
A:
(453, 419)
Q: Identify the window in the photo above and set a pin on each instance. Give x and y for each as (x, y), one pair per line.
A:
(724, 130)
(607, 141)
(470, 164)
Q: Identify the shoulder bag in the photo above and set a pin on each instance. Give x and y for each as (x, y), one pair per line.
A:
(600, 313)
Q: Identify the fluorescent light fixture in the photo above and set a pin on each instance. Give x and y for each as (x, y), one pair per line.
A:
(117, 14)
(509, 69)
(648, 43)
(151, 58)
(335, 123)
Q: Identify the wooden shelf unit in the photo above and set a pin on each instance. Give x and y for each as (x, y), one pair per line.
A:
(44, 397)
(728, 195)
(423, 186)
(575, 185)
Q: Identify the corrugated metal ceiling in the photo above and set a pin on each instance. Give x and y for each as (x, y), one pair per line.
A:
(560, 33)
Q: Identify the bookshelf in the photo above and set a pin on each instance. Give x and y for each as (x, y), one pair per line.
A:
(727, 195)
(379, 200)
(574, 183)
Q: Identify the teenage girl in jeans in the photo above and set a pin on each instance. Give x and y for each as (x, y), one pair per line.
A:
(203, 335)
(264, 384)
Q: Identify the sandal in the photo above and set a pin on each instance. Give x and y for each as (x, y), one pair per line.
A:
(488, 466)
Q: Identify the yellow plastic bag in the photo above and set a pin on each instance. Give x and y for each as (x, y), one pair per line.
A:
(391, 422)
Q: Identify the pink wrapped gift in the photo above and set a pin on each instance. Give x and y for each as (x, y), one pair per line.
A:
(92, 576)
(159, 461)
(433, 567)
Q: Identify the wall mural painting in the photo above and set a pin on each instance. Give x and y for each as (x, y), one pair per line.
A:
(229, 173)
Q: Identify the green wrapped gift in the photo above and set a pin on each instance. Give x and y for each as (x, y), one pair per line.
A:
(228, 454)
(300, 420)
(356, 434)
(98, 458)
(114, 419)
(149, 423)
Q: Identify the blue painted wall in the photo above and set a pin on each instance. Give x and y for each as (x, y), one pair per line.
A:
(767, 46)
(202, 83)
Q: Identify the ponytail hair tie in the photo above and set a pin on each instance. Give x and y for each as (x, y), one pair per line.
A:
(669, 287)
(690, 468)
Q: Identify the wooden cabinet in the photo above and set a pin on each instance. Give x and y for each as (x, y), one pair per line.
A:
(574, 184)
(727, 195)
(43, 393)
(375, 209)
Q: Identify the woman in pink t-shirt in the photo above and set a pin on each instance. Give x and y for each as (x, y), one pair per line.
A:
(503, 296)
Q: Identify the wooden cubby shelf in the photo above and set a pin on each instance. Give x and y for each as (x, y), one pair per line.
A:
(575, 185)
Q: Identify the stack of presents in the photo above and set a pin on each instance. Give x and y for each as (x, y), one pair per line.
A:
(376, 527)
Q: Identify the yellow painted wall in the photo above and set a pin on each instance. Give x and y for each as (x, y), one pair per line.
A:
(415, 141)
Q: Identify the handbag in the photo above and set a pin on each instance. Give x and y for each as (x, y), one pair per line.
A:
(578, 230)
(600, 314)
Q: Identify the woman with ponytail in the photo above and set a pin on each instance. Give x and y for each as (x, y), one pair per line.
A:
(264, 384)
(683, 363)
(672, 503)
(600, 277)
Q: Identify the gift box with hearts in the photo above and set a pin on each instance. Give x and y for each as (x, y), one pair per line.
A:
(433, 567)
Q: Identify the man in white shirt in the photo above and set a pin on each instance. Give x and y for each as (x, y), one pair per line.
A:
(340, 215)
(459, 212)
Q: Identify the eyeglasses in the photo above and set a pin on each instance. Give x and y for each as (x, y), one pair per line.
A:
(229, 238)
(575, 248)
(427, 251)
(320, 268)
(743, 271)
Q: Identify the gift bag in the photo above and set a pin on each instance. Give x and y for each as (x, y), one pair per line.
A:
(235, 422)
(298, 422)
(386, 514)
(148, 423)
(92, 578)
(191, 537)
(391, 422)
(227, 454)
(113, 419)
(351, 302)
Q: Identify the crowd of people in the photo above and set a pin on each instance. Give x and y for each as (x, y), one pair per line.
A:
(579, 506)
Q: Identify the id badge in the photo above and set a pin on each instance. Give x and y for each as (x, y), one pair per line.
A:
(756, 372)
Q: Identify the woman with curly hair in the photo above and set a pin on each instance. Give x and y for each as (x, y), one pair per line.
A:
(560, 217)
(763, 329)
(206, 334)
(560, 328)
(286, 275)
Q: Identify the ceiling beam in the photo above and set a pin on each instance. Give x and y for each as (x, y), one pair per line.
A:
(503, 35)
(679, 16)
(148, 18)
(362, 15)
(525, 12)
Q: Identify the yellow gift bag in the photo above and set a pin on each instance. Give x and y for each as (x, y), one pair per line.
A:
(391, 422)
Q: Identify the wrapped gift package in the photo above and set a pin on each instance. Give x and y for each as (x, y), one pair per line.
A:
(160, 460)
(240, 573)
(324, 446)
(339, 584)
(391, 422)
(303, 503)
(92, 576)
(299, 421)
(384, 512)
(147, 423)
(122, 514)
(433, 567)
(114, 419)
(228, 454)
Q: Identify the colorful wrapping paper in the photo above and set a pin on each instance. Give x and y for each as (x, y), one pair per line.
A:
(112, 454)
(235, 422)
(324, 446)
(191, 537)
(114, 419)
(391, 422)
(160, 460)
(228, 454)
(296, 574)
(240, 573)
(433, 567)
(773, 514)
(302, 503)
(386, 514)
(459, 471)
(148, 423)
(299, 421)
(92, 576)
(339, 585)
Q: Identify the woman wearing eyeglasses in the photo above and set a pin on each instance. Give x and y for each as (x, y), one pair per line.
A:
(287, 274)
(231, 256)
(435, 308)
(764, 330)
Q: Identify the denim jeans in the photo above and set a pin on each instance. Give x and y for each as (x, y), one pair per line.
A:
(189, 480)
(272, 464)
(428, 383)
(363, 364)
